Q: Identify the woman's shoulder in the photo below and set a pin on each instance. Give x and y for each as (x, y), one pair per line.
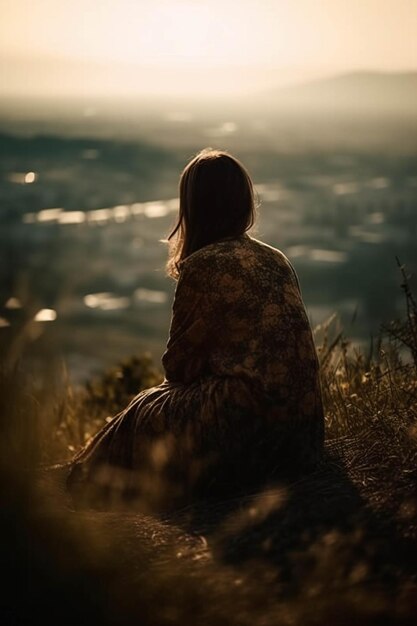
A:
(265, 248)
(237, 257)
(271, 252)
(219, 249)
(275, 260)
(233, 248)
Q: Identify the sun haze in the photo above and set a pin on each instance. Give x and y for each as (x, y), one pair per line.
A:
(209, 45)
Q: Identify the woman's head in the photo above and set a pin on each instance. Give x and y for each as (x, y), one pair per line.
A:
(216, 202)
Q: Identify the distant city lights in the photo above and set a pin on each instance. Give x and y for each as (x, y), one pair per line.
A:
(341, 189)
(150, 295)
(155, 209)
(30, 177)
(71, 217)
(45, 315)
(106, 301)
(119, 213)
(48, 215)
(22, 178)
(13, 303)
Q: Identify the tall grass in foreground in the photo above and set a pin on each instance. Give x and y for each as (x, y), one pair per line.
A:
(339, 547)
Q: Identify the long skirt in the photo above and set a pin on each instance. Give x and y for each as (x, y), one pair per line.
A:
(176, 443)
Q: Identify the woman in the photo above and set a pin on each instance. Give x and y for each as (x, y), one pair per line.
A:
(240, 405)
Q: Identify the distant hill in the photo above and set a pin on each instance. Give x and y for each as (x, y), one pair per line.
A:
(388, 92)
(61, 80)
(371, 110)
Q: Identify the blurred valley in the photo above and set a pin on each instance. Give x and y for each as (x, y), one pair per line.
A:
(88, 188)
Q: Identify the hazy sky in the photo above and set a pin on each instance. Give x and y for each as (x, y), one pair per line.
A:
(300, 38)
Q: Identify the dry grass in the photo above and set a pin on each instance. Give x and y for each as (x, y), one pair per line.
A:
(338, 547)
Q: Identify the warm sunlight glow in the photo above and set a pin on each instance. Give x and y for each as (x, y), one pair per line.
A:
(187, 32)
(196, 46)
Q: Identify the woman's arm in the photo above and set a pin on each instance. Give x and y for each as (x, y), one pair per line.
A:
(186, 353)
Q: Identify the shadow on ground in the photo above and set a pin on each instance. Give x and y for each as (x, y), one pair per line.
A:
(310, 552)
(319, 526)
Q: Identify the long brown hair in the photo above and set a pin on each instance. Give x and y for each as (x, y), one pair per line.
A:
(217, 201)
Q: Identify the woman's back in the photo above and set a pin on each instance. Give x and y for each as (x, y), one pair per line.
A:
(240, 331)
(243, 297)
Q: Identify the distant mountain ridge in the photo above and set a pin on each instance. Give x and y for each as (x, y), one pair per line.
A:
(361, 90)
(72, 79)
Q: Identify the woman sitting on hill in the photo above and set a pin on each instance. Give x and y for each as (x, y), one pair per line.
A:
(240, 406)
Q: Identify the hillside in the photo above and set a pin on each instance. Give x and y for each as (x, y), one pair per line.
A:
(354, 92)
(335, 547)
